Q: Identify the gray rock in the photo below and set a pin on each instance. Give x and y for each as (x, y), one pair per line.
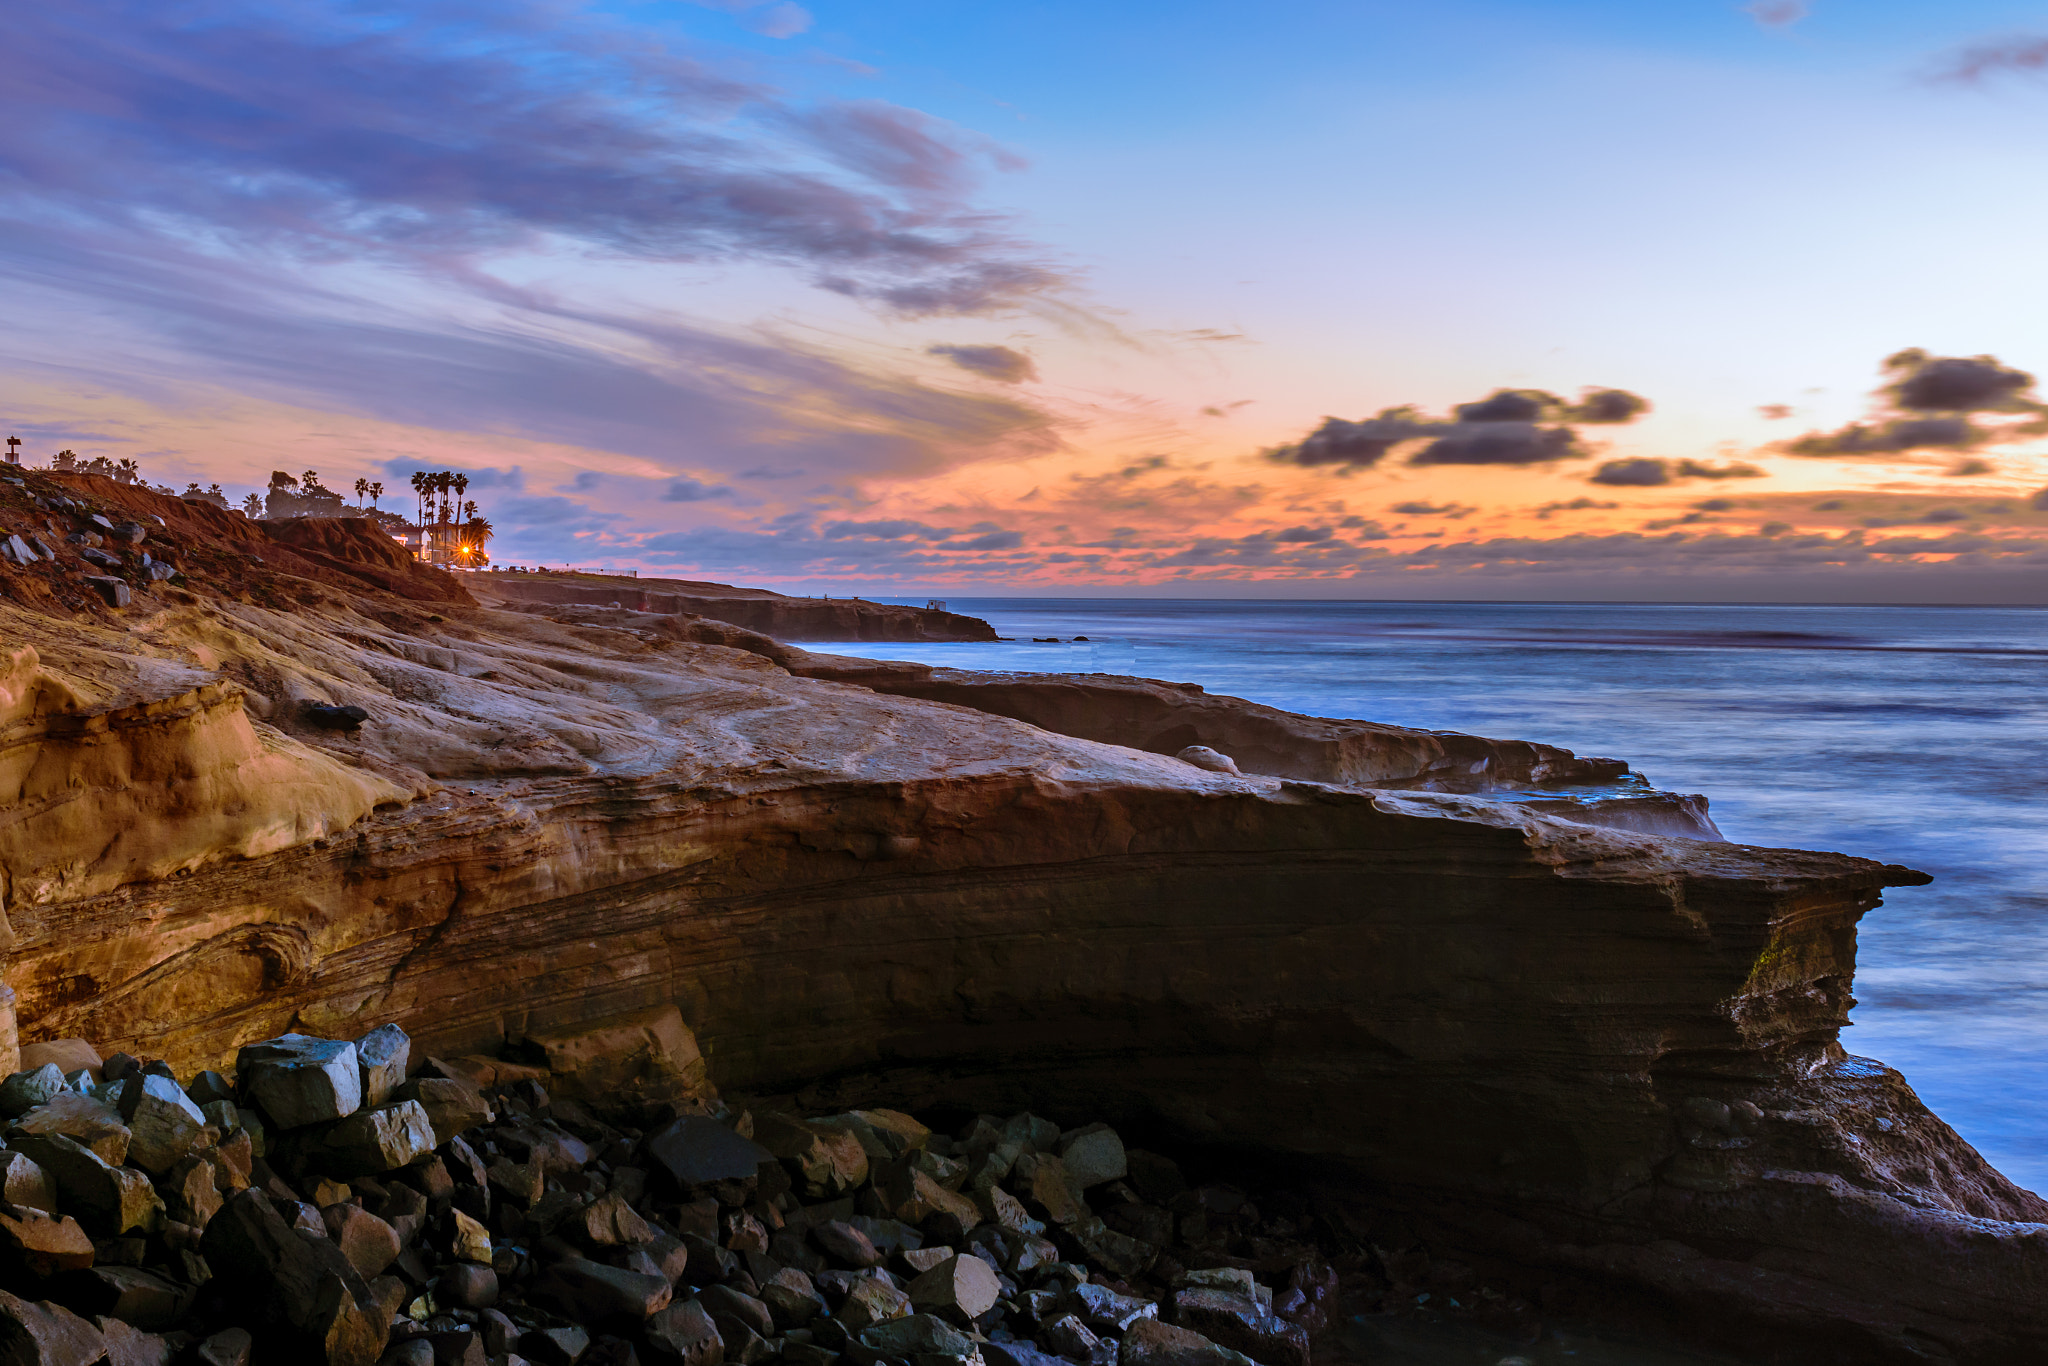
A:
(160, 571)
(699, 1152)
(722, 1301)
(845, 1244)
(466, 1285)
(1093, 1155)
(24, 1091)
(110, 1201)
(961, 1288)
(383, 1054)
(24, 1183)
(208, 1087)
(1152, 1343)
(163, 1123)
(452, 1106)
(1069, 1337)
(917, 1335)
(1241, 1323)
(371, 1142)
(1106, 1311)
(228, 1347)
(16, 550)
(685, 1333)
(131, 532)
(300, 1080)
(46, 1335)
(103, 559)
(115, 591)
(127, 1346)
(594, 1293)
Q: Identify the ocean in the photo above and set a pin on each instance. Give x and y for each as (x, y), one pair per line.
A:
(1914, 735)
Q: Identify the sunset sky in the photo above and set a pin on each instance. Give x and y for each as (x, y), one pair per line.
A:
(1051, 298)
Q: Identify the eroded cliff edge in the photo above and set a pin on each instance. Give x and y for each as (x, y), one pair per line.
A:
(1574, 1047)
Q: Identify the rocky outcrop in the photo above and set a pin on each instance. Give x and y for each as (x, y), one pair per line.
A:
(754, 609)
(1602, 1053)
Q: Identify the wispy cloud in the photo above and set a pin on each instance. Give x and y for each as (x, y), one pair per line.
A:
(1777, 13)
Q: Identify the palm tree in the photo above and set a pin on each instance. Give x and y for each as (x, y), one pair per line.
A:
(252, 506)
(127, 471)
(476, 534)
(376, 491)
(419, 503)
(362, 490)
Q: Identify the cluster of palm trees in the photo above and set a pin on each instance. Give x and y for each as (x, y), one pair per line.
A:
(452, 531)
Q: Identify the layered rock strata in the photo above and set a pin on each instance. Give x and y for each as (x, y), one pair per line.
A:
(1604, 1051)
(753, 609)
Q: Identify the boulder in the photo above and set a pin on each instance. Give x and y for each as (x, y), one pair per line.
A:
(128, 1293)
(298, 1284)
(1151, 1343)
(33, 1334)
(453, 1105)
(845, 1244)
(466, 1285)
(228, 1347)
(469, 1241)
(1241, 1323)
(1106, 1311)
(110, 1201)
(1119, 1254)
(24, 1091)
(382, 1056)
(371, 1142)
(624, 1064)
(917, 1336)
(70, 1055)
(824, 1162)
(961, 1288)
(93, 1123)
(163, 1123)
(1093, 1155)
(114, 591)
(127, 1346)
(723, 1302)
(592, 1293)
(702, 1155)
(369, 1244)
(869, 1301)
(300, 1080)
(685, 1333)
(792, 1299)
(36, 1242)
(1201, 756)
(911, 1195)
(24, 1183)
(609, 1221)
(1040, 1180)
(190, 1192)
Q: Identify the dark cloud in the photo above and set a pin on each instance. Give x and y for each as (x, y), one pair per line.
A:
(1500, 443)
(1928, 403)
(1734, 469)
(1892, 437)
(1970, 469)
(1507, 427)
(1715, 505)
(994, 362)
(895, 530)
(687, 490)
(1510, 405)
(1956, 384)
(1355, 445)
(1633, 473)
(1919, 545)
(1304, 534)
(1607, 406)
(1451, 510)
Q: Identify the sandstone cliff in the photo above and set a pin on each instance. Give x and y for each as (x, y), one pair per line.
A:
(1586, 1049)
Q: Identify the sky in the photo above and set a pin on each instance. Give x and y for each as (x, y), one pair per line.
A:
(1480, 299)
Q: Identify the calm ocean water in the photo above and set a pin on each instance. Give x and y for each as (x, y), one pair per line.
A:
(1914, 735)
